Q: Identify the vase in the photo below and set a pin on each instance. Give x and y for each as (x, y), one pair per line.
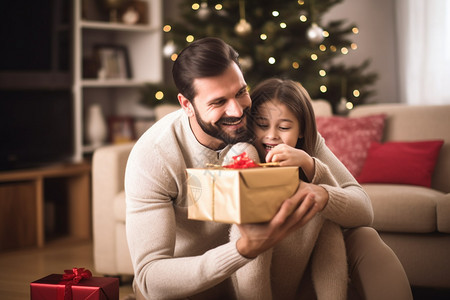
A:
(96, 130)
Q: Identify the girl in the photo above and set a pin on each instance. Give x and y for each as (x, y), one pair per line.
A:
(285, 132)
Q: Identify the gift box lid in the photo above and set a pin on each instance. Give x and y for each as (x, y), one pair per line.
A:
(107, 286)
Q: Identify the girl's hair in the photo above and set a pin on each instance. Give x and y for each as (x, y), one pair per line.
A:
(206, 57)
(296, 98)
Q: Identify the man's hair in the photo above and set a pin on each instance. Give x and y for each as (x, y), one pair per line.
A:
(206, 57)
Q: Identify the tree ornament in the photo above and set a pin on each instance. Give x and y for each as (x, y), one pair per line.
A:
(243, 27)
(246, 63)
(203, 12)
(169, 48)
(342, 106)
(315, 33)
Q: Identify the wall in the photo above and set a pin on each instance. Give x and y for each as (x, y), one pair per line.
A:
(376, 40)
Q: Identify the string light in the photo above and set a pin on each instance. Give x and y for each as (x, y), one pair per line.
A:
(190, 38)
(301, 2)
(349, 105)
(333, 48)
(275, 13)
(295, 65)
(323, 88)
(303, 18)
(314, 56)
(322, 73)
(218, 6)
(344, 50)
(159, 95)
(263, 36)
(354, 46)
(174, 57)
(283, 25)
(167, 28)
(195, 6)
(271, 60)
(325, 33)
(322, 47)
(356, 93)
(355, 30)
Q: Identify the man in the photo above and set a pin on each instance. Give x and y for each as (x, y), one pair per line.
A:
(174, 257)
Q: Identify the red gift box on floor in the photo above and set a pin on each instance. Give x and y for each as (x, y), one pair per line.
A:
(54, 287)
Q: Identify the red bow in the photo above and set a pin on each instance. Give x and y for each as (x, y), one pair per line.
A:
(242, 161)
(73, 277)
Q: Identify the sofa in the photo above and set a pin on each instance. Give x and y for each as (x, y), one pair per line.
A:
(413, 220)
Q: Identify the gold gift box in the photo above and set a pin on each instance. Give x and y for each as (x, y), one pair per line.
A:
(239, 195)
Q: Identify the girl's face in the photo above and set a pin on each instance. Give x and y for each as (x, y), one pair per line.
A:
(275, 124)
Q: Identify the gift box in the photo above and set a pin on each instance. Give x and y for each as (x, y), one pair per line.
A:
(55, 287)
(239, 196)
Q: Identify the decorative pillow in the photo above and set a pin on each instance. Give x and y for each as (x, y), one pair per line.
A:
(350, 138)
(401, 162)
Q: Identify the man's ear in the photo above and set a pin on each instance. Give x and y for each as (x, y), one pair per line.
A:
(186, 105)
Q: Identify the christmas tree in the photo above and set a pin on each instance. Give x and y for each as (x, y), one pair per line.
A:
(284, 38)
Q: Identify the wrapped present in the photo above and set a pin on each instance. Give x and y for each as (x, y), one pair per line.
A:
(75, 284)
(237, 193)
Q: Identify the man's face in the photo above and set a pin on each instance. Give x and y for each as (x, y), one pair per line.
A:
(221, 108)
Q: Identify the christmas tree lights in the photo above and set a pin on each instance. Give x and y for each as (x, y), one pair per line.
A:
(284, 38)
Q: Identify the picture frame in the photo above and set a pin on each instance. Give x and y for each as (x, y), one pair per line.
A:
(113, 62)
(121, 129)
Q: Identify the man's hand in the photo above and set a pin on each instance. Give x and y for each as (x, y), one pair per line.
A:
(294, 212)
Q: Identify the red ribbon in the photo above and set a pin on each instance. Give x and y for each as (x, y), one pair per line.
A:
(72, 277)
(242, 161)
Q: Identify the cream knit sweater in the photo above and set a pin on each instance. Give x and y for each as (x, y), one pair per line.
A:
(174, 257)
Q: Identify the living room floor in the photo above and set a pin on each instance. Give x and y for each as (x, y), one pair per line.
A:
(19, 268)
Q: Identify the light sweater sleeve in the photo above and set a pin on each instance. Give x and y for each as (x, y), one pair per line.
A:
(173, 257)
(348, 204)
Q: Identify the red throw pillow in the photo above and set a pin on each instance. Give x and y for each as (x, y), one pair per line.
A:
(350, 138)
(401, 162)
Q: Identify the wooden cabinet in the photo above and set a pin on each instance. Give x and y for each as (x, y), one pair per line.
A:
(117, 95)
(34, 200)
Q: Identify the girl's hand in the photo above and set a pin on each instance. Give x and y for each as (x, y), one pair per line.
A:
(290, 156)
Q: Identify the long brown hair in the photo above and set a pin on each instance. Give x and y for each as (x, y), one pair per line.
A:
(296, 98)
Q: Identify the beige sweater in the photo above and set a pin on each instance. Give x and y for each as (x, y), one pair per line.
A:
(277, 273)
(174, 257)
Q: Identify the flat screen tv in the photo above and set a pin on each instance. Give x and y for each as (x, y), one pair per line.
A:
(36, 128)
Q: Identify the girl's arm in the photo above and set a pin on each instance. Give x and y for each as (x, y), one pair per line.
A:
(348, 204)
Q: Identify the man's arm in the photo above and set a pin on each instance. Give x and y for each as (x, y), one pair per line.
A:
(294, 212)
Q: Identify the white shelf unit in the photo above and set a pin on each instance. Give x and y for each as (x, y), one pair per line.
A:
(116, 96)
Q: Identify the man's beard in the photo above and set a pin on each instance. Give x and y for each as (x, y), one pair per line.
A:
(214, 130)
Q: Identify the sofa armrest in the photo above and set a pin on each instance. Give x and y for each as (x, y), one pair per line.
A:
(443, 214)
(108, 172)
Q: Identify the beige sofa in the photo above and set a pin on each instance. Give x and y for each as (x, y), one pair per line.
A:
(414, 221)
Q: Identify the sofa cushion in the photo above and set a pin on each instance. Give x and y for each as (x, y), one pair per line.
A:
(443, 213)
(401, 162)
(350, 138)
(403, 208)
(119, 206)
